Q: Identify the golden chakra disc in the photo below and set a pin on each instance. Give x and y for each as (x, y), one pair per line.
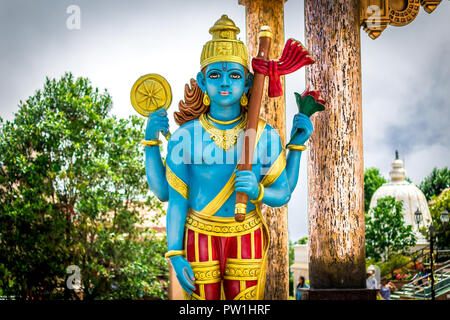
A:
(150, 93)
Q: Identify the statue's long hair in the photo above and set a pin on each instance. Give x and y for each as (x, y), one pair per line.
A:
(192, 106)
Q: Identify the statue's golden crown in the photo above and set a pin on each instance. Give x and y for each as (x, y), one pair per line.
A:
(224, 45)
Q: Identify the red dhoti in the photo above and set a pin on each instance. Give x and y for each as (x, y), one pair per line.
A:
(228, 258)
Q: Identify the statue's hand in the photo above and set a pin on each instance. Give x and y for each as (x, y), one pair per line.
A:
(302, 129)
(184, 273)
(246, 182)
(157, 121)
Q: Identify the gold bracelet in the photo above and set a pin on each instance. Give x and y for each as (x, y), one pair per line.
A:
(149, 143)
(173, 253)
(296, 147)
(260, 194)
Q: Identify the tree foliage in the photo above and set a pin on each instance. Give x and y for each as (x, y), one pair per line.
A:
(72, 186)
(442, 232)
(372, 181)
(435, 182)
(386, 232)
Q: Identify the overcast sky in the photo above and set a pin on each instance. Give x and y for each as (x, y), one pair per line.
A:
(405, 72)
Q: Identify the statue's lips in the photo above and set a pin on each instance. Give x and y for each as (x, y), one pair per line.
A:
(224, 93)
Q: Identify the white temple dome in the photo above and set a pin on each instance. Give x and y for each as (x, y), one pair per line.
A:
(412, 197)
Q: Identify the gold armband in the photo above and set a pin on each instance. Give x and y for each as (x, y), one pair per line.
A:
(148, 143)
(173, 253)
(260, 194)
(296, 147)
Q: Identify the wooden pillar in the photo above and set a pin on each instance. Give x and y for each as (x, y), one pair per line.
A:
(271, 13)
(335, 163)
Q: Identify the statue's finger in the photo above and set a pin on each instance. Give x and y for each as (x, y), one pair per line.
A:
(161, 120)
(244, 173)
(240, 185)
(184, 284)
(243, 178)
(191, 274)
(242, 189)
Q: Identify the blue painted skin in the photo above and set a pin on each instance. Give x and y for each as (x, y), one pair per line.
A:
(204, 167)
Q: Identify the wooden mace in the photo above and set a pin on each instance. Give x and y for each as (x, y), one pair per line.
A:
(265, 38)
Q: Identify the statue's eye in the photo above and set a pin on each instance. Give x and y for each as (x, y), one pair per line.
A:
(214, 75)
(235, 76)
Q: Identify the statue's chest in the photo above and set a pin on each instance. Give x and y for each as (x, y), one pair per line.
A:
(213, 163)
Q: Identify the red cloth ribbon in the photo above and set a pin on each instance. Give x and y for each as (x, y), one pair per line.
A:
(293, 58)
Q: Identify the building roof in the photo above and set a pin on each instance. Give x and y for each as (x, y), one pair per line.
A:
(413, 198)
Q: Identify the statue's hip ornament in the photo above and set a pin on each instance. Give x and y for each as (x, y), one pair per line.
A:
(228, 258)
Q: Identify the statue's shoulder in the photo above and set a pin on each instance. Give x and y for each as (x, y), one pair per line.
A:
(189, 125)
(270, 138)
(268, 128)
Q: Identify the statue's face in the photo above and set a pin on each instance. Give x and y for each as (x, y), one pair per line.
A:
(224, 82)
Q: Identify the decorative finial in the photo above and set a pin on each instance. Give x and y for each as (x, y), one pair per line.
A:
(397, 173)
(224, 28)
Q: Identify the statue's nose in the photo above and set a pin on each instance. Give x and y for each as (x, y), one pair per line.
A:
(225, 82)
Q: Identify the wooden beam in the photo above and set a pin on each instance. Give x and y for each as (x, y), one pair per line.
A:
(271, 13)
(335, 163)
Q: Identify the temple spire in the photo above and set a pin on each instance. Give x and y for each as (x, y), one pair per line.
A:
(398, 172)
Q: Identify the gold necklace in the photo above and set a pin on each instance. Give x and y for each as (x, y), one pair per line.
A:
(224, 139)
(223, 122)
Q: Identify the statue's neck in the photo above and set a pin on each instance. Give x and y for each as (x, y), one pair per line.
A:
(227, 113)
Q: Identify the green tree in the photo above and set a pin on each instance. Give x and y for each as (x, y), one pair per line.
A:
(442, 232)
(303, 240)
(372, 181)
(72, 186)
(435, 182)
(386, 232)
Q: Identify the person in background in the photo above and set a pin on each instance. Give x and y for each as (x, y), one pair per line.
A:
(385, 290)
(301, 284)
(371, 281)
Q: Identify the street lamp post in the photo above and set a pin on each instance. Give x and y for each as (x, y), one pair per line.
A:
(444, 219)
(431, 230)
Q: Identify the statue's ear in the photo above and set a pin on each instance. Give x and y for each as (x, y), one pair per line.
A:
(249, 81)
(201, 81)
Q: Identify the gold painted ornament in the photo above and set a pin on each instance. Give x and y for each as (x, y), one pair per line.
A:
(376, 15)
(151, 93)
(224, 139)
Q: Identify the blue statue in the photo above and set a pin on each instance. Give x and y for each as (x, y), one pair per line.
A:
(214, 256)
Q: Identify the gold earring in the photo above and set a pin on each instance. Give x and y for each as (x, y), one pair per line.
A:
(244, 100)
(206, 100)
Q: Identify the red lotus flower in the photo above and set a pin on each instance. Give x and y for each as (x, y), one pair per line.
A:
(314, 94)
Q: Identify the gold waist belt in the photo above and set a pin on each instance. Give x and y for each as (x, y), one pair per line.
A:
(222, 226)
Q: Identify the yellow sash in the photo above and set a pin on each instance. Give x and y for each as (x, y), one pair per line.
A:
(215, 204)
(275, 170)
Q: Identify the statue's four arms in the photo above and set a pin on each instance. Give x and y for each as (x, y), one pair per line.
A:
(214, 256)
